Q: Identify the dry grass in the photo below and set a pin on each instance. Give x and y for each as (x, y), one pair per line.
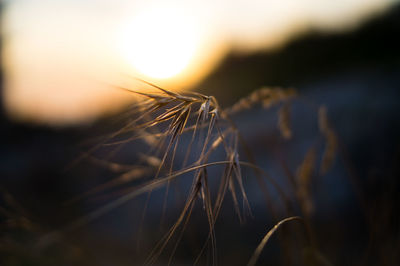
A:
(330, 139)
(161, 118)
(260, 247)
(167, 122)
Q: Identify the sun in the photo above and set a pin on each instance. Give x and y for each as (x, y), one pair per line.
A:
(159, 42)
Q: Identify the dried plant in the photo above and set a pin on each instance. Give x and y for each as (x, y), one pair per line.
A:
(304, 178)
(330, 139)
(284, 121)
(195, 125)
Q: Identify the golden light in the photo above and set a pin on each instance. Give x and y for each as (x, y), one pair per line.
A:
(62, 59)
(159, 42)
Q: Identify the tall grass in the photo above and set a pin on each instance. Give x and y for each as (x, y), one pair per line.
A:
(190, 136)
(195, 128)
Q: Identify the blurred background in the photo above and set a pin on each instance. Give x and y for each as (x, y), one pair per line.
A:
(61, 64)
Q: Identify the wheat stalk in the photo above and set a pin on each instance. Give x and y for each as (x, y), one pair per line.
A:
(160, 118)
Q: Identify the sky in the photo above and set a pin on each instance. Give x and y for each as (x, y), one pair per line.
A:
(62, 59)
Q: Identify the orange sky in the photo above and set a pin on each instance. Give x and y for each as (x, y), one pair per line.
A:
(61, 57)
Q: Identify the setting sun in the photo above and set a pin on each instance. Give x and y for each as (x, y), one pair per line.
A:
(159, 42)
(63, 59)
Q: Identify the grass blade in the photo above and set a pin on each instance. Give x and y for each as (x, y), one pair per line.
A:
(260, 247)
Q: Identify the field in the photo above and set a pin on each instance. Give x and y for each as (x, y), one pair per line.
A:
(284, 157)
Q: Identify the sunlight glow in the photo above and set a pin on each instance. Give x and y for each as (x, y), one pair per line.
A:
(159, 42)
(63, 59)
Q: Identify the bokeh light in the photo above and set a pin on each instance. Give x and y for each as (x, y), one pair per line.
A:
(63, 58)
